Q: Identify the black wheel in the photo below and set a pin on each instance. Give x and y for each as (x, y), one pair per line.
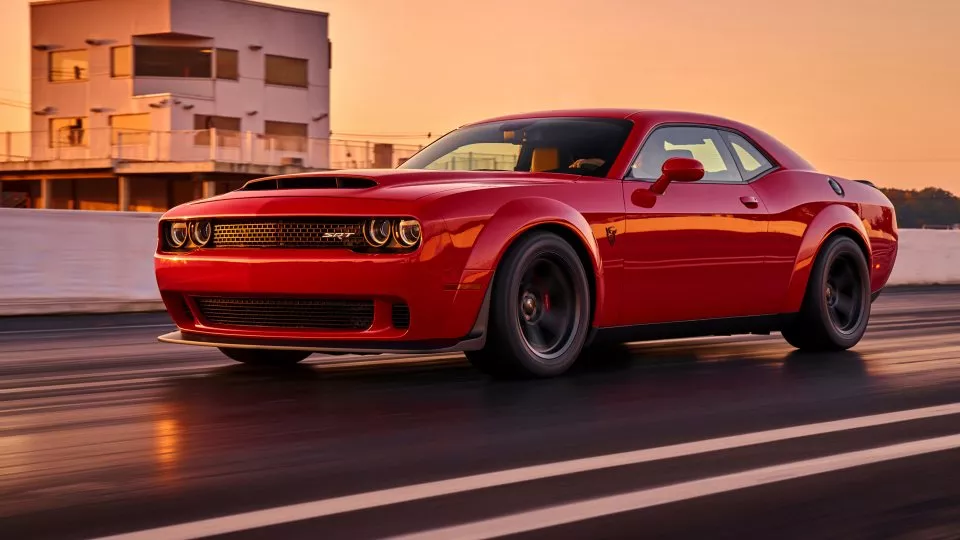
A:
(836, 306)
(265, 357)
(539, 310)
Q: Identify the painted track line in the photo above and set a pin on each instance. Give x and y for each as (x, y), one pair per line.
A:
(637, 500)
(85, 329)
(362, 501)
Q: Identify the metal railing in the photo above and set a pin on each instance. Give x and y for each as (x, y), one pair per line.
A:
(210, 145)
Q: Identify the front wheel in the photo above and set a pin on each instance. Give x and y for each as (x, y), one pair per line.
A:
(539, 311)
(265, 357)
(836, 306)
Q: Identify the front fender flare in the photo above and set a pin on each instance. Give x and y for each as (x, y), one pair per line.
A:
(831, 219)
(515, 218)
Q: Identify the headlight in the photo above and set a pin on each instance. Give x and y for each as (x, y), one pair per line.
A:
(178, 234)
(202, 231)
(377, 232)
(407, 232)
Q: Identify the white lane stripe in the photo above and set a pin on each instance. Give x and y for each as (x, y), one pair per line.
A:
(646, 498)
(85, 329)
(122, 383)
(360, 501)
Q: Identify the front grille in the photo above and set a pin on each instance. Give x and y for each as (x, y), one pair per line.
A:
(289, 234)
(400, 313)
(287, 312)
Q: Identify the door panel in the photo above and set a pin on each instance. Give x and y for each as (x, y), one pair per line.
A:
(697, 253)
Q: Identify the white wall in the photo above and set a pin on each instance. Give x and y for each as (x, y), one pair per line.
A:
(55, 261)
(927, 257)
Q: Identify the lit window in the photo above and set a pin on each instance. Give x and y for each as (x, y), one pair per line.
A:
(287, 136)
(228, 130)
(67, 132)
(286, 71)
(121, 61)
(164, 61)
(69, 66)
(134, 128)
(228, 64)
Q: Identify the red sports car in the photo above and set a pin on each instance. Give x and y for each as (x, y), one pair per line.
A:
(521, 240)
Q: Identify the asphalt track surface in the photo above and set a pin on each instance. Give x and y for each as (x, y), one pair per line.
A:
(104, 431)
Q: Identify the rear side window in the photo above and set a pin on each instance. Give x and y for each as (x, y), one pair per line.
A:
(751, 161)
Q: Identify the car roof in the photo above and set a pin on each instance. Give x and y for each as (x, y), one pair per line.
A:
(648, 118)
(652, 115)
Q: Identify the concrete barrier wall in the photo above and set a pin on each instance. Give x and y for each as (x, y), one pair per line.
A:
(64, 261)
(927, 257)
(68, 261)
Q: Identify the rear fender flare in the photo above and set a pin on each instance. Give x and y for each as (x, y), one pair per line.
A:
(830, 220)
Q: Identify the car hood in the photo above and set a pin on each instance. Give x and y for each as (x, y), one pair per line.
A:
(376, 191)
(385, 184)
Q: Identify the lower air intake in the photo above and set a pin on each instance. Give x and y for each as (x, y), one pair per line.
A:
(401, 316)
(320, 314)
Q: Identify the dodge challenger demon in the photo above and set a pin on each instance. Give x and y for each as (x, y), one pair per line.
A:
(523, 240)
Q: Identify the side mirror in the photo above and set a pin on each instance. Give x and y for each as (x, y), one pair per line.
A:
(677, 169)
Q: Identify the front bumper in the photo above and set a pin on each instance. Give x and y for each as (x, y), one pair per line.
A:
(445, 313)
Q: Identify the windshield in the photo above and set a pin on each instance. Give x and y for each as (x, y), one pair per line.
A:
(581, 146)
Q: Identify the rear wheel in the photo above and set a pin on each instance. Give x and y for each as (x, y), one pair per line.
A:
(539, 311)
(836, 306)
(265, 357)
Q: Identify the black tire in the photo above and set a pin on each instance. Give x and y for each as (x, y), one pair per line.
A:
(265, 357)
(836, 305)
(539, 310)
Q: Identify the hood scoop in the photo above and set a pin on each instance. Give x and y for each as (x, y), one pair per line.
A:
(308, 182)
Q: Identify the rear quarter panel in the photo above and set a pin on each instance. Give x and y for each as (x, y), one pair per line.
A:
(805, 211)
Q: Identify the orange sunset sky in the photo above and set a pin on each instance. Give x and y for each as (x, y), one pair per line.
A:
(861, 88)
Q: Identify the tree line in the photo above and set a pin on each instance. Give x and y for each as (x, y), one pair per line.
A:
(927, 207)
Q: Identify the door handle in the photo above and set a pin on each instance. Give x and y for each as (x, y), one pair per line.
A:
(750, 202)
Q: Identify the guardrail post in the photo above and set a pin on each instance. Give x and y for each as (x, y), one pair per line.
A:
(123, 193)
(8, 146)
(46, 192)
(213, 144)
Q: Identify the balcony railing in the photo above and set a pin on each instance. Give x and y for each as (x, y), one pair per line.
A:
(210, 145)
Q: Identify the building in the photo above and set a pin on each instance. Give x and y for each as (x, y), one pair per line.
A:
(145, 104)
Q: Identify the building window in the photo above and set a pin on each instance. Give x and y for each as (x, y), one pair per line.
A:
(20, 194)
(228, 64)
(130, 129)
(286, 136)
(286, 71)
(228, 130)
(67, 132)
(121, 61)
(69, 66)
(163, 61)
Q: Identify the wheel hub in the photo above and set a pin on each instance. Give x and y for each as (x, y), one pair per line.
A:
(529, 307)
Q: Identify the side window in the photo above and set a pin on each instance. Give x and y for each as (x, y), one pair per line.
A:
(701, 143)
(751, 161)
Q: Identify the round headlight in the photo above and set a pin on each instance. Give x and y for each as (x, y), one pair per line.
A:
(377, 232)
(178, 234)
(408, 232)
(202, 231)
